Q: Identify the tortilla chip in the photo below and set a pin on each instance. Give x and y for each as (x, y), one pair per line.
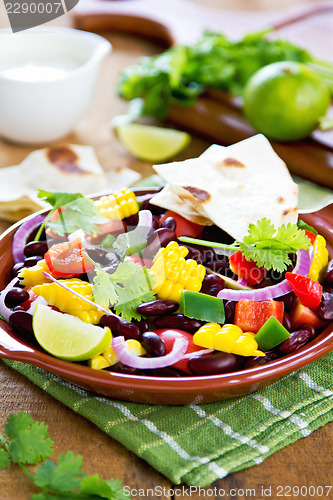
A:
(236, 186)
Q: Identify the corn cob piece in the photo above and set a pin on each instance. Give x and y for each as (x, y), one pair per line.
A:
(228, 338)
(31, 276)
(172, 273)
(109, 358)
(69, 303)
(320, 258)
(118, 205)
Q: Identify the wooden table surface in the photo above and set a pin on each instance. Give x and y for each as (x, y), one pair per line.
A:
(307, 462)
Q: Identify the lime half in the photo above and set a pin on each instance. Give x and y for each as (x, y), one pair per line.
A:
(67, 337)
(150, 143)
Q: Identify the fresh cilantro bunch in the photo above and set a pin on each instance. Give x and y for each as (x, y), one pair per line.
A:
(267, 246)
(26, 441)
(125, 289)
(76, 212)
(270, 248)
(182, 73)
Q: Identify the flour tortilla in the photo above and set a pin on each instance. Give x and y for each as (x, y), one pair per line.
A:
(71, 167)
(236, 186)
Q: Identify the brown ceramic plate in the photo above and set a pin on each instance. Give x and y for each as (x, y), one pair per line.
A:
(158, 390)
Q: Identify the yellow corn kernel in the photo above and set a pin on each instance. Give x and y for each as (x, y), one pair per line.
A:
(109, 357)
(68, 302)
(320, 258)
(98, 363)
(228, 338)
(31, 276)
(173, 273)
(118, 205)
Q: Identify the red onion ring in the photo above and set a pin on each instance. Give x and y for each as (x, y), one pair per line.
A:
(21, 236)
(176, 354)
(302, 267)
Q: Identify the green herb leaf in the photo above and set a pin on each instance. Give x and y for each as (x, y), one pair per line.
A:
(29, 441)
(125, 289)
(58, 199)
(4, 459)
(270, 248)
(65, 476)
(109, 490)
(81, 213)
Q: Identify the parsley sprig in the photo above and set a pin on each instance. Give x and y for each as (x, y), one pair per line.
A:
(125, 289)
(26, 441)
(267, 246)
(77, 212)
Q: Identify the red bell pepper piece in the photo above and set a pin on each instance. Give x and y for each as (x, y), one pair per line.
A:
(307, 290)
(251, 315)
(184, 227)
(246, 269)
(169, 336)
(301, 315)
(67, 259)
(310, 235)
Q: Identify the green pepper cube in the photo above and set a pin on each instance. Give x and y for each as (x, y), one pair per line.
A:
(201, 306)
(271, 334)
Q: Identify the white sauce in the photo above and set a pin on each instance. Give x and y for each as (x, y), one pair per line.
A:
(35, 73)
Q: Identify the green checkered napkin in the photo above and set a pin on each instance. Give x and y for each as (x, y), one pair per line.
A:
(198, 444)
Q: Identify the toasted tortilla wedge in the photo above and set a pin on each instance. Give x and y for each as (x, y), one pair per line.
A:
(63, 168)
(236, 186)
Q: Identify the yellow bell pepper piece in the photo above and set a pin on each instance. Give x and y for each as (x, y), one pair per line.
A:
(320, 258)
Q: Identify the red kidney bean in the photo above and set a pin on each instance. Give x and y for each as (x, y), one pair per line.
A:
(153, 344)
(165, 372)
(328, 275)
(215, 233)
(212, 285)
(121, 368)
(310, 328)
(170, 223)
(261, 360)
(155, 210)
(179, 322)
(132, 221)
(17, 268)
(156, 222)
(120, 326)
(221, 266)
(229, 310)
(98, 255)
(32, 261)
(212, 364)
(143, 324)
(159, 238)
(325, 309)
(22, 322)
(34, 231)
(287, 322)
(296, 340)
(158, 307)
(16, 296)
(288, 301)
(35, 248)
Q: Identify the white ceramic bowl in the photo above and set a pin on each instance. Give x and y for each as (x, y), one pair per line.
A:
(47, 79)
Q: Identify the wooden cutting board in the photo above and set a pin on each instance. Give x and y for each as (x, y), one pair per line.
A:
(217, 116)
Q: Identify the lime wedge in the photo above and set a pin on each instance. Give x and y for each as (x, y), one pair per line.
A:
(152, 144)
(67, 337)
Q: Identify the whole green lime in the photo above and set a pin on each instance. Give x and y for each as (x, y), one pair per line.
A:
(285, 100)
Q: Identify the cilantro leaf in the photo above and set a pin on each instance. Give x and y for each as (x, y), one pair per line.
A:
(80, 213)
(110, 489)
(125, 289)
(29, 441)
(65, 476)
(270, 248)
(4, 459)
(58, 199)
